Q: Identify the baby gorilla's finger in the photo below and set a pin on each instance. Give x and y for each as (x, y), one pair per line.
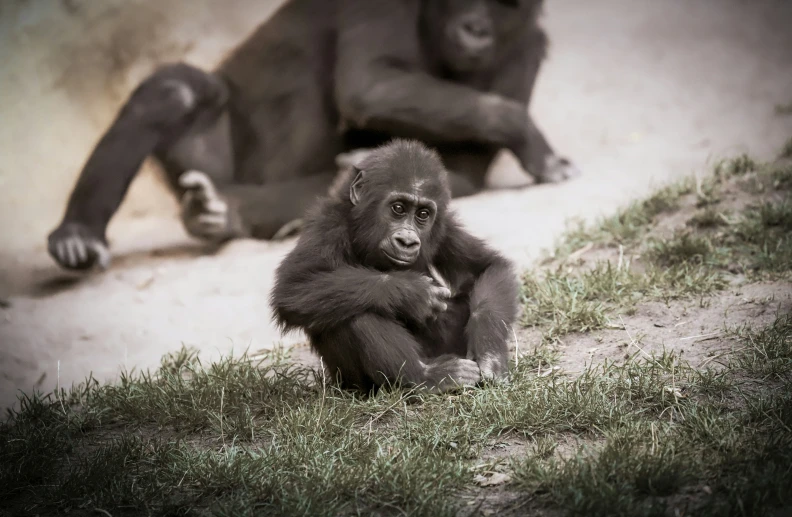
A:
(440, 292)
(437, 277)
(437, 296)
(438, 306)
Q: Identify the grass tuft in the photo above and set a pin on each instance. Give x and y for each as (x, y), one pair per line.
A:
(738, 166)
(708, 218)
(786, 151)
(683, 248)
(784, 109)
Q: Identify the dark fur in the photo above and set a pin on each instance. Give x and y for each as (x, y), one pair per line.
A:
(265, 125)
(373, 323)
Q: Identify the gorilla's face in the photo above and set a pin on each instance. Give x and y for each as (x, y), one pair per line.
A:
(467, 35)
(408, 219)
(399, 197)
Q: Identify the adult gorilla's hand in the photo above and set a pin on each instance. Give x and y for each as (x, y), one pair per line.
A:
(77, 247)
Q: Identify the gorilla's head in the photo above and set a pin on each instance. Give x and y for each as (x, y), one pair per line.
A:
(398, 197)
(470, 35)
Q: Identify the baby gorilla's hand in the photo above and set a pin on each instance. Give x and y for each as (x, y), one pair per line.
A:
(422, 299)
(437, 297)
(434, 299)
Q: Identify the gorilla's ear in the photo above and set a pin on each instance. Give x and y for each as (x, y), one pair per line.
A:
(357, 186)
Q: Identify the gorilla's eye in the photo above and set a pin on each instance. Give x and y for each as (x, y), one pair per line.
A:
(423, 214)
(398, 208)
(509, 3)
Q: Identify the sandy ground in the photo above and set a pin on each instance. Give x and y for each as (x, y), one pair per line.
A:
(637, 92)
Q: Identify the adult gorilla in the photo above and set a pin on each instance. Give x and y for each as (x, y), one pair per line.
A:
(258, 137)
(389, 287)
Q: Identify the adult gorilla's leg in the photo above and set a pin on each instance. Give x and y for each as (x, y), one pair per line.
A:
(217, 213)
(160, 110)
(461, 183)
(517, 80)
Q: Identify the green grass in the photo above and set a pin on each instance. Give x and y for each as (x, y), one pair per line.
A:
(655, 431)
(705, 457)
(629, 224)
(708, 218)
(693, 260)
(682, 248)
(784, 109)
(561, 302)
(786, 152)
(737, 166)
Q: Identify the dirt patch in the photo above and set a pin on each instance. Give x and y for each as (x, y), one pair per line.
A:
(693, 329)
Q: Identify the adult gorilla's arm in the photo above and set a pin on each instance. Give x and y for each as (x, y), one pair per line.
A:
(310, 293)
(493, 299)
(381, 83)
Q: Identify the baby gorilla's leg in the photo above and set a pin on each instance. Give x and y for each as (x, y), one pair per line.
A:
(373, 349)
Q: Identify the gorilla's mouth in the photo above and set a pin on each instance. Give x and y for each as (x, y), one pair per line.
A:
(401, 261)
(468, 59)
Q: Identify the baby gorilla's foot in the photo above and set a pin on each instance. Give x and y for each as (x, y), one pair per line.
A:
(205, 213)
(448, 373)
(75, 246)
(493, 366)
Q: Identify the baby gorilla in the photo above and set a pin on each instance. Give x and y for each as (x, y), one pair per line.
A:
(390, 288)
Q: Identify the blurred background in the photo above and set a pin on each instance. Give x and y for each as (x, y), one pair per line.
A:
(636, 92)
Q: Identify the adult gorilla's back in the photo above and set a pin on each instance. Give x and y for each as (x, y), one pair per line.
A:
(258, 137)
(285, 122)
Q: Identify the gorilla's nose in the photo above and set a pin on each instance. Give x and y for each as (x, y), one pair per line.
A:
(475, 33)
(407, 241)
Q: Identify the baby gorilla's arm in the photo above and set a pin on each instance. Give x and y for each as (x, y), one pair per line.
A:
(320, 300)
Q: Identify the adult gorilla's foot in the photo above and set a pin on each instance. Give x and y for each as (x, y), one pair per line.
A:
(75, 246)
(205, 213)
(352, 158)
(557, 169)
